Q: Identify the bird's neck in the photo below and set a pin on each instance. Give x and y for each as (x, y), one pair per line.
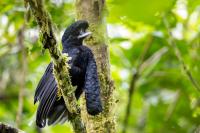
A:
(71, 42)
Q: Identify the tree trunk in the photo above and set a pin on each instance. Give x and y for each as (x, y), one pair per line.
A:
(93, 11)
(60, 69)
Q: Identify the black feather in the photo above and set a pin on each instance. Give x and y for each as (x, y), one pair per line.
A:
(40, 88)
(92, 87)
(83, 73)
(56, 111)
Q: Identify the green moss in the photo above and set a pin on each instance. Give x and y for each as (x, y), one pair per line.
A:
(60, 69)
(97, 35)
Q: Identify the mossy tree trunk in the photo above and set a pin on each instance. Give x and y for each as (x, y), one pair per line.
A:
(60, 69)
(93, 11)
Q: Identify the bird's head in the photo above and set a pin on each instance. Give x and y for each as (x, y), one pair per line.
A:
(76, 31)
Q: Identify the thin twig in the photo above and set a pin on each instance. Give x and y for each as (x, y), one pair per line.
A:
(23, 73)
(152, 60)
(134, 80)
(172, 43)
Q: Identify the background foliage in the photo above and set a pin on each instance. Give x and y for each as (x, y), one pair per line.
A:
(144, 37)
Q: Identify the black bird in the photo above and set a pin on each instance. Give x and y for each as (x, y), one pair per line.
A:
(83, 73)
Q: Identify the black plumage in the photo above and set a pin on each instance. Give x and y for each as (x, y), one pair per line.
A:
(83, 73)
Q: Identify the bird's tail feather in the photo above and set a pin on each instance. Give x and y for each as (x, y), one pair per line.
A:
(58, 113)
(50, 111)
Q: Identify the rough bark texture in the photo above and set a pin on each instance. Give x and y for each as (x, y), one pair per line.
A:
(61, 72)
(93, 11)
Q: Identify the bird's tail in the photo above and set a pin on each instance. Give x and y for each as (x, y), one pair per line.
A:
(58, 113)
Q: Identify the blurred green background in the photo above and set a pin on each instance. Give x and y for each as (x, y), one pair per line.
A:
(153, 39)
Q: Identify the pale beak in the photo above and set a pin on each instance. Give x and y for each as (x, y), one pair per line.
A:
(84, 34)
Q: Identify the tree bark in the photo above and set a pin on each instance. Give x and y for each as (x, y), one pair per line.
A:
(93, 11)
(60, 60)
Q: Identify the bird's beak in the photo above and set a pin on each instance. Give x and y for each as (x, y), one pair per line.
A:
(84, 34)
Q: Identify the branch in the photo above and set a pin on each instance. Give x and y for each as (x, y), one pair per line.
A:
(134, 80)
(60, 60)
(94, 12)
(8, 129)
(23, 73)
(172, 43)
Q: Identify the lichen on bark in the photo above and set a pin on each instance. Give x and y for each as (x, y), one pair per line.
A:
(93, 11)
(60, 60)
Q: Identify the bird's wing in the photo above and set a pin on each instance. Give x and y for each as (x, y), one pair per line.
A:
(59, 113)
(92, 87)
(47, 76)
(46, 92)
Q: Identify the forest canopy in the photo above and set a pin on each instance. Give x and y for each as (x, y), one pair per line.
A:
(154, 62)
